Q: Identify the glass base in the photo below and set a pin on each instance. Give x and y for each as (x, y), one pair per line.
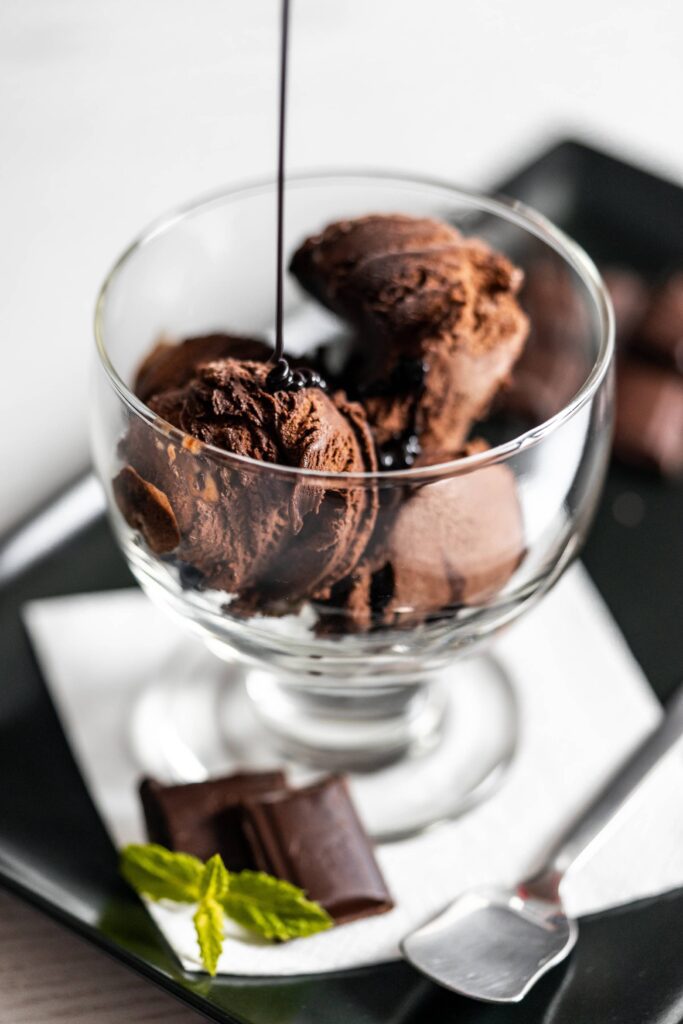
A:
(342, 730)
(415, 755)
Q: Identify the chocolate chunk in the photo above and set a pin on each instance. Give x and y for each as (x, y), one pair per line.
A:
(661, 334)
(649, 426)
(203, 818)
(147, 509)
(313, 838)
(554, 363)
(544, 381)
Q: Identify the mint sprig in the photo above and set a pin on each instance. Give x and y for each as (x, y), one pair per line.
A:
(156, 872)
(208, 917)
(264, 905)
(272, 908)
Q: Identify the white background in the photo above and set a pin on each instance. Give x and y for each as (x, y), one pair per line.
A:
(112, 111)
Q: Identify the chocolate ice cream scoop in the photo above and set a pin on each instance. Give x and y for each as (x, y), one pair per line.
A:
(260, 535)
(450, 543)
(171, 366)
(148, 510)
(471, 541)
(323, 263)
(438, 323)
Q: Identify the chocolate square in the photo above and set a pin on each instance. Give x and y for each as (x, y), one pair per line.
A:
(313, 838)
(649, 426)
(661, 334)
(204, 818)
(630, 295)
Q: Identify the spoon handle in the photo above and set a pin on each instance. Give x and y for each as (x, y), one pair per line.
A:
(580, 839)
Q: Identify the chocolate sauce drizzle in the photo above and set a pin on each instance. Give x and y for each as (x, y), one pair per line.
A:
(282, 377)
(408, 376)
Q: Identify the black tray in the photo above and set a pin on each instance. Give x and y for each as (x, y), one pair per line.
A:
(55, 852)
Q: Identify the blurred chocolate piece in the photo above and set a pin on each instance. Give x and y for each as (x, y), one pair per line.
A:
(313, 838)
(544, 381)
(552, 299)
(630, 296)
(147, 509)
(203, 818)
(649, 424)
(661, 334)
(554, 363)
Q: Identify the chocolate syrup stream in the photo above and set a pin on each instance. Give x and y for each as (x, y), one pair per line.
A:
(284, 39)
(281, 377)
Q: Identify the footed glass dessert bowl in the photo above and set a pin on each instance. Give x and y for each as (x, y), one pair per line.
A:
(345, 549)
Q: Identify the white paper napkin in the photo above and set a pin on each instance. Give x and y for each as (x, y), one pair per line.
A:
(584, 704)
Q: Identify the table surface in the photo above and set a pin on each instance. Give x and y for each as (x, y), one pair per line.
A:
(48, 975)
(111, 113)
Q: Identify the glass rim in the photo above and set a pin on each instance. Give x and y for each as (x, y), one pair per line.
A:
(511, 210)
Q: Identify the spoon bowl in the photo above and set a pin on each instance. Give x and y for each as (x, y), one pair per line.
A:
(493, 944)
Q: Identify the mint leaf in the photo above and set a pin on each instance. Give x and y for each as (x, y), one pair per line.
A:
(208, 923)
(267, 906)
(161, 874)
(272, 908)
(215, 879)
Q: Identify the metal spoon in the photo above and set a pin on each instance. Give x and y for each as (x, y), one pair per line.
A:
(493, 944)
